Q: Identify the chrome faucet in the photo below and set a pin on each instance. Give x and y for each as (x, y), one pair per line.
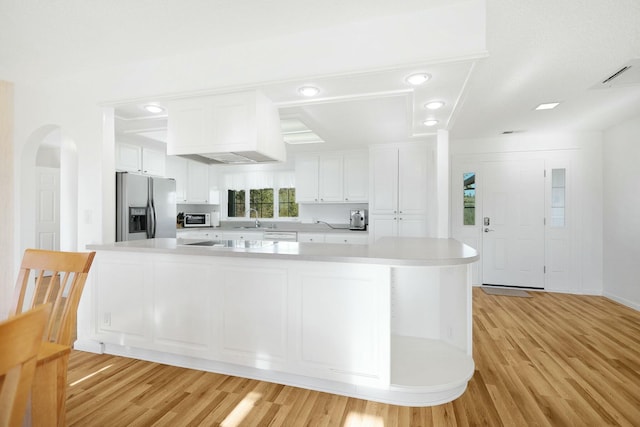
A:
(256, 211)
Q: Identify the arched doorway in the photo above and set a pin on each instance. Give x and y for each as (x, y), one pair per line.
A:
(48, 209)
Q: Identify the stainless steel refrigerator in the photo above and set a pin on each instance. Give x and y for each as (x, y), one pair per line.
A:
(145, 207)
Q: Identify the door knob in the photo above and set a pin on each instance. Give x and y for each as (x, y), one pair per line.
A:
(486, 230)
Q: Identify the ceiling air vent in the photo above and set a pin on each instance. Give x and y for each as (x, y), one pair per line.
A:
(627, 75)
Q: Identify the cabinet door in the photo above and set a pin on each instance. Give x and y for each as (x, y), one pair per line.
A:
(307, 168)
(352, 239)
(311, 237)
(153, 162)
(412, 226)
(184, 288)
(128, 157)
(330, 178)
(123, 286)
(352, 303)
(197, 182)
(383, 226)
(412, 180)
(177, 169)
(356, 177)
(243, 235)
(251, 315)
(384, 181)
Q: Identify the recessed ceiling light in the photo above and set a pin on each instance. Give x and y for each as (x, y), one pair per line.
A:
(434, 105)
(418, 78)
(430, 122)
(153, 108)
(547, 106)
(309, 90)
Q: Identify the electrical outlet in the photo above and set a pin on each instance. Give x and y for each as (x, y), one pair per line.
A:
(107, 318)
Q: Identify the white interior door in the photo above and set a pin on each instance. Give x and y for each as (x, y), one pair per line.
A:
(513, 223)
(48, 208)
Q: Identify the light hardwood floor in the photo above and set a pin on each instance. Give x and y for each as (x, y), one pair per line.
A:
(550, 360)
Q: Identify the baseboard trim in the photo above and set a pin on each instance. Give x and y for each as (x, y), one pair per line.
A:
(623, 301)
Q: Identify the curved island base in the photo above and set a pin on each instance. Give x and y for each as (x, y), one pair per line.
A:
(388, 322)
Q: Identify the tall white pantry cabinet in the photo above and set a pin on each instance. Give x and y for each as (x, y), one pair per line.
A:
(398, 193)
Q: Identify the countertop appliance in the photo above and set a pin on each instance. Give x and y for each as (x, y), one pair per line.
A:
(358, 219)
(145, 207)
(197, 220)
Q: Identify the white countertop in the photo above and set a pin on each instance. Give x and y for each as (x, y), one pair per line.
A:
(394, 251)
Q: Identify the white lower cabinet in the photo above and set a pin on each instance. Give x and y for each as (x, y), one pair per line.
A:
(393, 225)
(342, 323)
(351, 239)
(180, 321)
(251, 315)
(124, 285)
(348, 238)
(200, 234)
(311, 237)
(323, 320)
(243, 235)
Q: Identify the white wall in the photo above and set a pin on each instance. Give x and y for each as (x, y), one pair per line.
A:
(621, 156)
(581, 155)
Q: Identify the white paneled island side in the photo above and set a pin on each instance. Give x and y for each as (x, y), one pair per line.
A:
(388, 322)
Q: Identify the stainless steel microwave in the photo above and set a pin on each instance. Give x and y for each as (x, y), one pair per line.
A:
(197, 220)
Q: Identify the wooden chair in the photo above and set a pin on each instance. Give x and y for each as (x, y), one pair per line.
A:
(20, 340)
(58, 278)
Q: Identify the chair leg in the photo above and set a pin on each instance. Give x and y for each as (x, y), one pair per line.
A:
(49, 392)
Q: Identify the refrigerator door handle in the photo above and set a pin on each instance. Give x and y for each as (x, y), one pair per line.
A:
(154, 223)
(150, 221)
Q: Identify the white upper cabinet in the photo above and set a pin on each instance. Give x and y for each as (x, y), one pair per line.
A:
(334, 177)
(244, 123)
(138, 159)
(192, 180)
(197, 182)
(399, 182)
(330, 178)
(154, 162)
(177, 169)
(356, 177)
(128, 157)
(307, 169)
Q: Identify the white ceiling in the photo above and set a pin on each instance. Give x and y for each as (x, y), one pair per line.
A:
(539, 51)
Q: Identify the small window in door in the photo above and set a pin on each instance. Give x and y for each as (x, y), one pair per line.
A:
(469, 198)
(558, 197)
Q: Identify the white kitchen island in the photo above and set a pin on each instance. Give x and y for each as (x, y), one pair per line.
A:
(388, 322)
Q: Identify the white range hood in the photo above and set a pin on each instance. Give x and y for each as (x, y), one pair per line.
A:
(236, 128)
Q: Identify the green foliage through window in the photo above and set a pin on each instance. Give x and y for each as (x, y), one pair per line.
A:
(469, 197)
(262, 201)
(287, 206)
(236, 203)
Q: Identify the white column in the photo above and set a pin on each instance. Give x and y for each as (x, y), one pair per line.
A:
(7, 209)
(442, 182)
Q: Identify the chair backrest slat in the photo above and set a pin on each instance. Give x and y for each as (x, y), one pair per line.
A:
(59, 278)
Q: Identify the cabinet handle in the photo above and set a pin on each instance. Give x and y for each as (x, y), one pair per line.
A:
(346, 199)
